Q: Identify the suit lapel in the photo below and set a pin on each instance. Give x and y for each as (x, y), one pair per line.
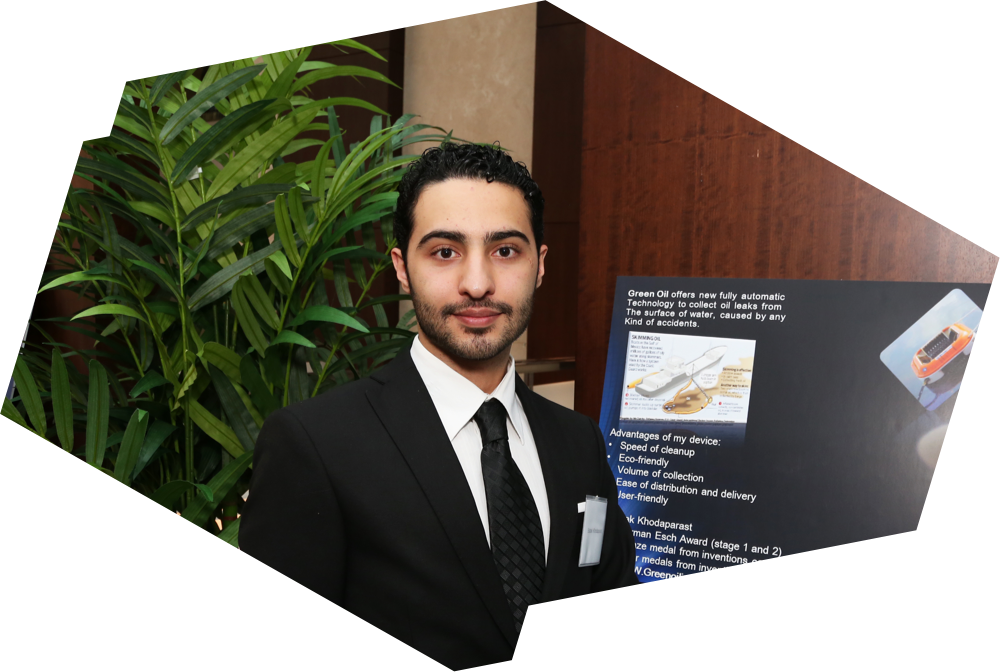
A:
(408, 414)
(562, 511)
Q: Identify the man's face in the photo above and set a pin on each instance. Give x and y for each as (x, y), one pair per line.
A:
(471, 267)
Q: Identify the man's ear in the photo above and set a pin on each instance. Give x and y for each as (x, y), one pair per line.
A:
(400, 266)
(541, 265)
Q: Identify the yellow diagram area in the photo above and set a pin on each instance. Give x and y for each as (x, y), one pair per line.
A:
(733, 382)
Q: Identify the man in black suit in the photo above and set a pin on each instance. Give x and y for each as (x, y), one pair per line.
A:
(440, 497)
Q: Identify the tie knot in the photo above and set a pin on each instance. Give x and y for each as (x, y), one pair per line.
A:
(492, 420)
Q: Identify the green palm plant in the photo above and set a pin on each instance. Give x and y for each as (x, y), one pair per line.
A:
(215, 312)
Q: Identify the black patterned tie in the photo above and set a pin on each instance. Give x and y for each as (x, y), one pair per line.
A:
(515, 527)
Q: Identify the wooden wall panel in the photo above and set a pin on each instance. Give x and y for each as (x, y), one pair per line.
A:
(677, 183)
(556, 141)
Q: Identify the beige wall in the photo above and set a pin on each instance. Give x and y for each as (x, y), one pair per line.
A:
(475, 76)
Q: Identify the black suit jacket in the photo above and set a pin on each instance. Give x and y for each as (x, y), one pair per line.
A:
(358, 495)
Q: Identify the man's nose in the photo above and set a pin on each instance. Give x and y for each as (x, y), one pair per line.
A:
(477, 277)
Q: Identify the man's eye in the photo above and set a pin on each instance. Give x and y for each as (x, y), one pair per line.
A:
(506, 252)
(445, 253)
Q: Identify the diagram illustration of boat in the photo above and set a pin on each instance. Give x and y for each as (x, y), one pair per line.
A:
(941, 350)
(675, 372)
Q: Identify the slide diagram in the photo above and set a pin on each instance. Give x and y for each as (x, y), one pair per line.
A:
(929, 358)
(686, 378)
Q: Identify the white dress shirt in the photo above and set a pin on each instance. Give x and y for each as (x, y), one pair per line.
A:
(457, 399)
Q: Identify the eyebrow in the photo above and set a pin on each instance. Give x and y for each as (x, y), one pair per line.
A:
(461, 238)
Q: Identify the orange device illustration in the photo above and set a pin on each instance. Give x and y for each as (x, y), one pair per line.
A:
(941, 350)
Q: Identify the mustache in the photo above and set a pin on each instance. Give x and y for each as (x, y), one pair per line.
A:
(490, 304)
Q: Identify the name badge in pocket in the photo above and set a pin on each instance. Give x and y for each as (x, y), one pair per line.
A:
(595, 510)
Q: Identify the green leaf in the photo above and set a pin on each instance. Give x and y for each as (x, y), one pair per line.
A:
(298, 213)
(248, 405)
(314, 76)
(192, 83)
(300, 144)
(163, 84)
(342, 287)
(357, 45)
(110, 309)
(130, 181)
(327, 314)
(134, 114)
(157, 270)
(192, 262)
(231, 533)
(162, 243)
(216, 429)
(28, 390)
(338, 146)
(286, 172)
(240, 420)
(255, 385)
(278, 278)
(280, 87)
(249, 160)
(129, 123)
(388, 298)
(343, 253)
(258, 299)
(391, 197)
(354, 162)
(312, 65)
(98, 408)
(222, 358)
(156, 211)
(190, 376)
(168, 493)
(155, 436)
(128, 453)
(148, 382)
(281, 261)
(230, 129)
(368, 213)
(292, 337)
(319, 171)
(213, 73)
(284, 229)
(247, 320)
(133, 144)
(222, 281)
(299, 383)
(254, 195)
(80, 276)
(201, 508)
(205, 100)
(62, 401)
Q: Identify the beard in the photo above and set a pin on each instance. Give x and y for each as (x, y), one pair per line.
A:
(486, 342)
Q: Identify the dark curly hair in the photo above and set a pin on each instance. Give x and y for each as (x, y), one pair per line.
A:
(483, 162)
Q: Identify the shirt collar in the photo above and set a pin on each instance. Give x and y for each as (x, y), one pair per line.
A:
(455, 397)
